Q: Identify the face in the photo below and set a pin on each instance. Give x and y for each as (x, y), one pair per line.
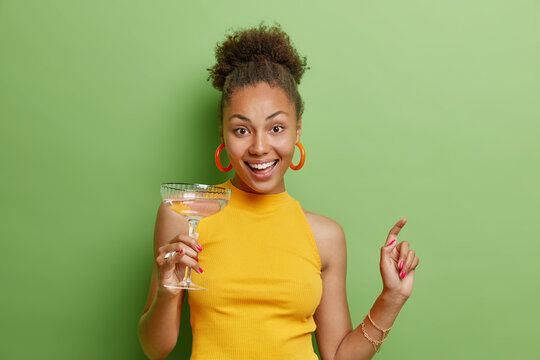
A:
(260, 131)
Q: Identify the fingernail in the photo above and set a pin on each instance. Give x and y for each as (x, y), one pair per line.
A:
(200, 269)
(197, 259)
(403, 274)
(199, 247)
(392, 242)
(401, 265)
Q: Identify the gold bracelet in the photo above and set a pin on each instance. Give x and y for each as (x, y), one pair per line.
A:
(372, 341)
(385, 333)
(378, 327)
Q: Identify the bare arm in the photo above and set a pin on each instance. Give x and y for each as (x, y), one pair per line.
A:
(159, 324)
(332, 315)
(335, 337)
(355, 345)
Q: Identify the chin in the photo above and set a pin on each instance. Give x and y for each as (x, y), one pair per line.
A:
(264, 185)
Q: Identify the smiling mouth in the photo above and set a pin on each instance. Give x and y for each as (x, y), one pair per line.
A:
(261, 168)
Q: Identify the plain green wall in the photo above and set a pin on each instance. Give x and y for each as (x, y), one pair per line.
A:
(421, 109)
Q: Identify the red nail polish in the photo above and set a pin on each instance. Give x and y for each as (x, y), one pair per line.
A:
(197, 259)
(401, 265)
(200, 269)
(403, 274)
(392, 242)
(199, 247)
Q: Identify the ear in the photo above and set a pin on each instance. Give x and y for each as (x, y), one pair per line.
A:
(298, 129)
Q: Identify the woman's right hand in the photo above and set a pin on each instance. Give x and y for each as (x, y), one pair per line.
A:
(171, 270)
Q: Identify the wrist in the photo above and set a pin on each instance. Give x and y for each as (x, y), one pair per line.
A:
(164, 293)
(393, 298)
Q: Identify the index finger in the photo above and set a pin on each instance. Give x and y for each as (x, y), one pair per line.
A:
(178, 238)
(392, 235)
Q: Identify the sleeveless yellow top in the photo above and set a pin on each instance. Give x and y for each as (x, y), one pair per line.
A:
(263, 271)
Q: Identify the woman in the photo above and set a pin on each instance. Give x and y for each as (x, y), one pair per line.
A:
(275, 272)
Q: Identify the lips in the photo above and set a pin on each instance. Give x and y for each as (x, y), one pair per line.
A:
(261, 170)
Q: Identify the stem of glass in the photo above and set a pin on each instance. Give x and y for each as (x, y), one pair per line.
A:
(192, 225)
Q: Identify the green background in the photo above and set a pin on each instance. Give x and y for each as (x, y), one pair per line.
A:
(427, 110)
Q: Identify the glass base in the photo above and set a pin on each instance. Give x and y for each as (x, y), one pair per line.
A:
(186, 286)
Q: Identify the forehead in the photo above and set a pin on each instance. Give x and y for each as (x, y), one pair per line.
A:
(259, 101)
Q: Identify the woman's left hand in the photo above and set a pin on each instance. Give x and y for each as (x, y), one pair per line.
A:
(397, 265)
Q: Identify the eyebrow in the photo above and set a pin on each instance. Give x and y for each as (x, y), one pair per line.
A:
(241, 117)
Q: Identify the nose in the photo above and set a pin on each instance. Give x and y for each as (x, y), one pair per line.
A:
(260, 145)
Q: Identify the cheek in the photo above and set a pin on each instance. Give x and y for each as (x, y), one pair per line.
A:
(286, 148)
(235, 148)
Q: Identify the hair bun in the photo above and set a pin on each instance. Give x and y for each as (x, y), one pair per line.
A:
(260, 44)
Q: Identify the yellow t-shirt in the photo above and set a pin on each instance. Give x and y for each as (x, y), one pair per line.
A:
(263, 271)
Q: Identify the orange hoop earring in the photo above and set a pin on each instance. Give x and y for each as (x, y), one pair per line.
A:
(302, 157)
(218, 162)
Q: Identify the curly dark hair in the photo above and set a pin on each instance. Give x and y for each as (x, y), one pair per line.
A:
(250, 56)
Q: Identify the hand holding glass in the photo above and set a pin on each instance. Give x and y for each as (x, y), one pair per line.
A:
(194, 201)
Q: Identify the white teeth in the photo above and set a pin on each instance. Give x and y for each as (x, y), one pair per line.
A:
(262, 166)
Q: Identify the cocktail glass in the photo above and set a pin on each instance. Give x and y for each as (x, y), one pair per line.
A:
(194, 201)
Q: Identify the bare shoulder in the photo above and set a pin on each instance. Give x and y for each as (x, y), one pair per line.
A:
(329, 236)
(323, 226)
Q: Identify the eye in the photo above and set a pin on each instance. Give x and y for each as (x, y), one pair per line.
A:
(240, 131)
(277, 129)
